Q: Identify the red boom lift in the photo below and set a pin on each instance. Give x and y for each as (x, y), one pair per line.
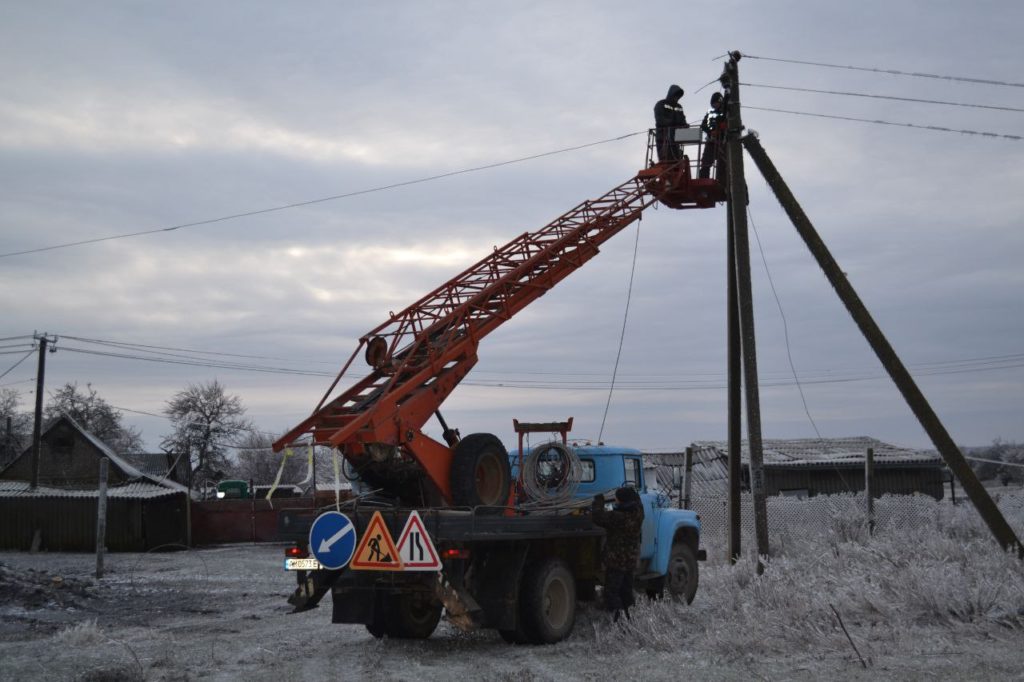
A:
(419, 356)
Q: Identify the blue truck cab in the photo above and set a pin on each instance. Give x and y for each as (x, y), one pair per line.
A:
(670, 548)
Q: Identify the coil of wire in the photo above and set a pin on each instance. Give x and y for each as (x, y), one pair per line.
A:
(551, 474)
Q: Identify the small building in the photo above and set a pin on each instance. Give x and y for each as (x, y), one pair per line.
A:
(144, 511)
(806, 467)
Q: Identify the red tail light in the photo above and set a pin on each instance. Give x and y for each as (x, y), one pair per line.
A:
(453, 553)
(296, 552)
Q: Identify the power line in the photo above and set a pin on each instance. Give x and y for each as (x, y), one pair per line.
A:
(940, 129)
(335, 197)
(126, 344)
(785, 328)
(890, 97)
(12, 367)
(892, 72)
(622, 336)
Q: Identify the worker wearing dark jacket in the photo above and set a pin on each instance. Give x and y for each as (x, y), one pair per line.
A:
(623, 525)
(714, 126)
(668, 115)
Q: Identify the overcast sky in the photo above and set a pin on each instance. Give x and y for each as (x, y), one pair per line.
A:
(122, 117)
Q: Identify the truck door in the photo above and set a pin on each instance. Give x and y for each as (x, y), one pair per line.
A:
(635, 478)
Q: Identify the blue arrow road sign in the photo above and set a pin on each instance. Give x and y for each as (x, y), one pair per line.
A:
(332, 539)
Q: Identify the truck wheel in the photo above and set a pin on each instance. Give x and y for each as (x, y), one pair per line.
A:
(683, 576)
(413, 618)
(548, 607)
(480, 472)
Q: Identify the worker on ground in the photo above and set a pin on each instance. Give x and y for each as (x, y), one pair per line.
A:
(714, 126)
(669, 115)
(623, 525)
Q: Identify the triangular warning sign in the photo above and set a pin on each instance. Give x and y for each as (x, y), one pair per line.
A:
(415, 549)
(376, 551)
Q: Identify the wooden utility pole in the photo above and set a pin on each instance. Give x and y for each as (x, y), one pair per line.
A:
(37, 426)
(737, 206)
(101, 517)
(735, 430)
(869, 488)
(954, 459)
(688, 478)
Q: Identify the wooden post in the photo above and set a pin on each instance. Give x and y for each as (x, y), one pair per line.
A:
(687, 478)
(101, 517)
(943, 442)
(737, 206)
(677, 479)
(252, 506)
(869, 488)
(37, 426)
(735, 378)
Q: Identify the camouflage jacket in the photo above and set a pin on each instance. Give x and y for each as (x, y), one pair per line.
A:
(624, 528)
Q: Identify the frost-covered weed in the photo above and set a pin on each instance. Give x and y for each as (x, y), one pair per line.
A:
(929, 568)
(86, 633)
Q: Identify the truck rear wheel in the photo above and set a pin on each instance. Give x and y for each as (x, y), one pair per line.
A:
(405, 618)
(683, 575)
(413, 618)
(480, 472)
(548, 606)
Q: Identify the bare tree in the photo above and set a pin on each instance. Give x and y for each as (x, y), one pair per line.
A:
(15, 426)
(95, 415)
(256, 461)
(207, 422)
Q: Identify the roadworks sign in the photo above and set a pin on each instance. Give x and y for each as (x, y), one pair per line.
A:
(415, 548)
(376, 551)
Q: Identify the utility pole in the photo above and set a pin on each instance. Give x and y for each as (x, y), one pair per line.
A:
(101, 517)
(943, 442)
(735, 405)
(869, 488)
(37, 427)
(737, 207)
(688, 478)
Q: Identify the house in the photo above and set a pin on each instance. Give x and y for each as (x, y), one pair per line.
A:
(144, 510)
(806, 467)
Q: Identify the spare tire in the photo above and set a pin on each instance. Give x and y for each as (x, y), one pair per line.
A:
(481, 475)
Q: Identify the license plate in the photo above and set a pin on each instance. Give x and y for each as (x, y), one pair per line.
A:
(309, 564)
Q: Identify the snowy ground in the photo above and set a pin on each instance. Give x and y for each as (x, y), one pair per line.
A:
(935, 601)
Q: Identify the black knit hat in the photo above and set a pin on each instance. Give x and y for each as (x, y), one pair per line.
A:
(627, 494)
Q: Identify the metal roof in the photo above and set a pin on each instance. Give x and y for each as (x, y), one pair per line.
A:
(129, 491)
(710, 458)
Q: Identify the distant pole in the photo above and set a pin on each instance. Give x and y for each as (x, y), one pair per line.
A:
(677, 477)
(687, 477)
(188, 505)
(737, 206)
(101, 517)
(37, 427)
(869, 488)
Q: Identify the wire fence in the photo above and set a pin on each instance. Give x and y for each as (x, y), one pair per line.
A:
(792, 521)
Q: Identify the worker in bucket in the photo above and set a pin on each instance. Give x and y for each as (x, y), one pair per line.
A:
(669, 115)
(623, 525)
(714, 126)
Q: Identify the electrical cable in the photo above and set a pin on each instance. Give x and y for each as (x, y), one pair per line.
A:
(126, 344)
(12, 367)
(889, 97)
(310, 202)
(622, 336)
(785, 326)
(551, 473)
(940, 129)
(995, 461)
(892, 72)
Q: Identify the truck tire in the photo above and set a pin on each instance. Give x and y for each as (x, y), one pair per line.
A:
(480, 475)
(413, 618)
(548, 606)
(683, 575)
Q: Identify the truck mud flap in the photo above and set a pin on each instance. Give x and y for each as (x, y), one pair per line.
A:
(312, 588)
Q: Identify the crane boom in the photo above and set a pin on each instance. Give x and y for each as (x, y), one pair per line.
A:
(419, 356)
